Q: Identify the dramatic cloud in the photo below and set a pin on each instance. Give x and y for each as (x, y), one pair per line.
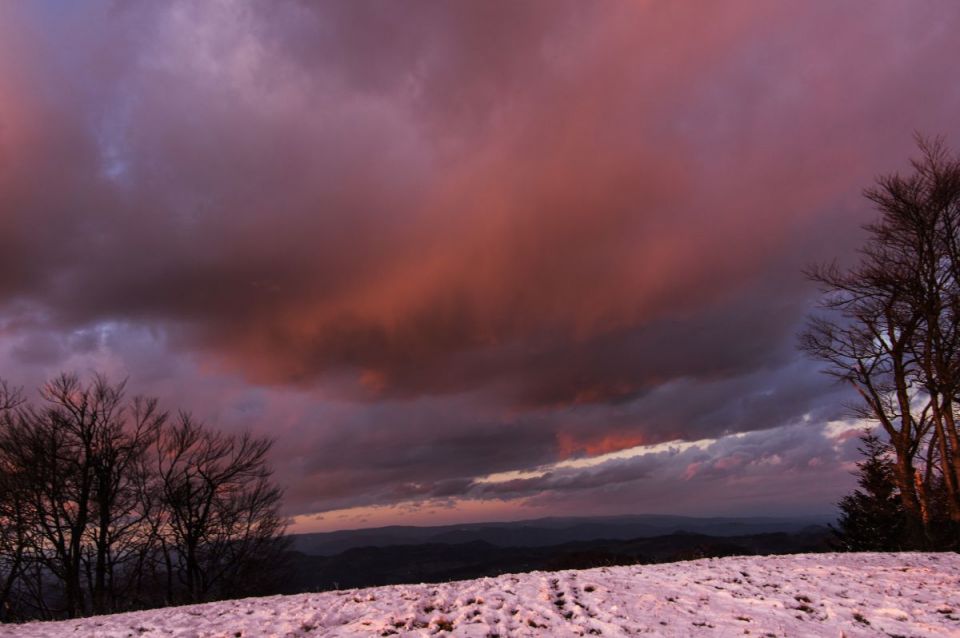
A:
(430, 242)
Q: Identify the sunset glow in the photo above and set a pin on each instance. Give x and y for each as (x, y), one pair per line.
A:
(465, 261)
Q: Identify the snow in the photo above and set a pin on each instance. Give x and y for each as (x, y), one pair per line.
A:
(910, 594)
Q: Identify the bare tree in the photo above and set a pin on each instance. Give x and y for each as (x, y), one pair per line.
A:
(57, 448)
(922, 215)
(866, 344)
(893, 326)
(106, 505)
(121, 529)
(222, 510)
(14, 527)
(80, 459)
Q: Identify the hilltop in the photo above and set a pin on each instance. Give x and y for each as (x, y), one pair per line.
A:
(909, 594)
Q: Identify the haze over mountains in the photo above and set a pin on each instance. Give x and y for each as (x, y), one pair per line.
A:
(550, 531)
(399, 555)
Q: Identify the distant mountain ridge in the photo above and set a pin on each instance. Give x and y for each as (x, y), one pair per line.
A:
(550, 531)
(442, 562)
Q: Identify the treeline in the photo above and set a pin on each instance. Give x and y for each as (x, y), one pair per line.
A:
(892, 331)
(110, 504)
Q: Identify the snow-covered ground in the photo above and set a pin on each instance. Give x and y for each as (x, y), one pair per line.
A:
(804, 595)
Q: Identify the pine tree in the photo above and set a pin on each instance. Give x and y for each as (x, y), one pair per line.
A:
(872, 518)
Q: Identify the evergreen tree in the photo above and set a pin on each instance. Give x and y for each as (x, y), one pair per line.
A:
(872, 518)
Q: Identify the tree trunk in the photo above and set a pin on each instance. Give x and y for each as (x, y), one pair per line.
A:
(100, 602)
(946, 458)
(904, 473)
(950, 424)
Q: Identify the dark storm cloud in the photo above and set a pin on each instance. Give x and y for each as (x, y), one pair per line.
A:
(575, 227)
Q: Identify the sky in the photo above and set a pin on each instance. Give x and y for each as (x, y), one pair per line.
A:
(463, 261)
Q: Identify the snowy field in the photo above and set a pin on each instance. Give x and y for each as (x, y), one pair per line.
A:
(805, 595)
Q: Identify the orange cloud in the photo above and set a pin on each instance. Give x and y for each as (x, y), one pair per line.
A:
(569, 446)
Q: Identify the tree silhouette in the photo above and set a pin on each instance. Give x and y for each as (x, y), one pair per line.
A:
(107, 505)
(891, 330)
(872, 518)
